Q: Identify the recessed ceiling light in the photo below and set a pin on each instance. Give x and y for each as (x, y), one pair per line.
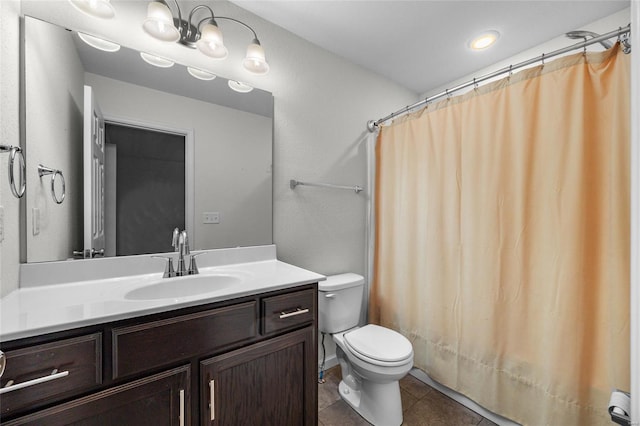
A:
(484, 40)
(156, 61)
(200, 74)
(99, 43)
(239, 86)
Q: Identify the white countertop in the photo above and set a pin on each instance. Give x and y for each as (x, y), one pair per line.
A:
(33, 311)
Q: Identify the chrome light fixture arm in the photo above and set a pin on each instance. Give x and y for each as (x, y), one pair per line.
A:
(255, 36)
(203, 34)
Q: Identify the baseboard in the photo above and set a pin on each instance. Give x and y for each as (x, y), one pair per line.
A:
(470, 404)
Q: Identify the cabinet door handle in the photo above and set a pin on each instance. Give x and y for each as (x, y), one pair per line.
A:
(53, 376)
(212, 399)
(298, 311)
(181, 407)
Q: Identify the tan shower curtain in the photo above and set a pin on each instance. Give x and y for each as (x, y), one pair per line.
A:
(502, 247)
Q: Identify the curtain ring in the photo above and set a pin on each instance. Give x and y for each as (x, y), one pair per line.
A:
(475, 84)
(44, 170)
(13, 151)
(448, 94)
(510, 70)
(542, 59)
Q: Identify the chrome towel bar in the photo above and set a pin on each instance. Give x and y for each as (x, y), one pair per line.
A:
(13, 152)
(293, 183)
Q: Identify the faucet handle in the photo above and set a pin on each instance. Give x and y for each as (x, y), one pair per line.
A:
(175, 239)
(183, 243)
(193, 268)
(168, 269)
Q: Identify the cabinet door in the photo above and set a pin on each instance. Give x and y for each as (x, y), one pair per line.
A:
(161, 399)
(269, 383)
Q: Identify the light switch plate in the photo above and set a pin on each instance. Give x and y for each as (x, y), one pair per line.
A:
(211, 217)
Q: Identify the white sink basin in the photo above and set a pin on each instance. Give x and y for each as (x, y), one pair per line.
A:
(192, 285)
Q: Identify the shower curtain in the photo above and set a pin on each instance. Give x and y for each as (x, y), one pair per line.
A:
(502, 239)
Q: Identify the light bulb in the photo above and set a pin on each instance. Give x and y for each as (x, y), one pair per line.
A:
(211, 42)
(159, 23)
(484, 40)
(255, 61)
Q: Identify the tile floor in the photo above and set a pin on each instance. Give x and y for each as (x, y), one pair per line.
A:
(422, 405)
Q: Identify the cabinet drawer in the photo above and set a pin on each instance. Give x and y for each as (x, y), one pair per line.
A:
(146, 346)
(160, 399)
(288, 310)
(49, 372)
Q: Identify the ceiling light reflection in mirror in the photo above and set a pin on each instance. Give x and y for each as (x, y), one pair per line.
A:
(99, 43)
(156, 61)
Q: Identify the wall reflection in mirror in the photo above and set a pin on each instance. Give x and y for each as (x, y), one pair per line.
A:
(175, 147)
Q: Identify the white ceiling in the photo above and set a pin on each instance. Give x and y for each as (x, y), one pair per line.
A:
(423, 44)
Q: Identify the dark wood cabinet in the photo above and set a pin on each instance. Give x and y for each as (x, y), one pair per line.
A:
(268, 383)
(38, 374)
(160, 399)
(254, 357)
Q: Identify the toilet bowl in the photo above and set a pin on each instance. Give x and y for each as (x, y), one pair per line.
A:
(372, 358)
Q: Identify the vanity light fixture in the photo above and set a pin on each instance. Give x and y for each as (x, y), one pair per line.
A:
(99, 43)
(156, 61)
(239, 86)
(200, 74)
(96, 8)
(484, 40)
(203, 34)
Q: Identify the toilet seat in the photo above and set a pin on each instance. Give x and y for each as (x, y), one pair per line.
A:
(379, 345)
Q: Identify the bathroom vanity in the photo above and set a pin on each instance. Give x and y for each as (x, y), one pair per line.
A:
(244, 354)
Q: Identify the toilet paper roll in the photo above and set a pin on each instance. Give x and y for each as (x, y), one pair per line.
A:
(620, 404)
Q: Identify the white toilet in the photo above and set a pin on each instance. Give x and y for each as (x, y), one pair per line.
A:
(372, 358)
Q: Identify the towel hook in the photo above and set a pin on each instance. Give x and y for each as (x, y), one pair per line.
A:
(44, 170)
(13, 152)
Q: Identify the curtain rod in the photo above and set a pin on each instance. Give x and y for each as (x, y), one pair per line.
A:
(371, 124)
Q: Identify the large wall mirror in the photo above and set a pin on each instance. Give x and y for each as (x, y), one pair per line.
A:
(179, 151)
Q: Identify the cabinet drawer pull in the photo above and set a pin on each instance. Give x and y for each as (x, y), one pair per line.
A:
(212, 399)
(181, 407)
(10, 387)
(298, 311)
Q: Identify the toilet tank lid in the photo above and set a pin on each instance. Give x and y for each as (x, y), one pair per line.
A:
(340, 281)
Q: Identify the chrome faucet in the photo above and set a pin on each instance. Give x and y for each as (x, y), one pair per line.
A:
(180, 243)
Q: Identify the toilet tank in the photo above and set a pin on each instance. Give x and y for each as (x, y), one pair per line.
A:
(339, 302)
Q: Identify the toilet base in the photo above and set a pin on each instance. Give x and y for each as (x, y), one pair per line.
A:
(377, 403)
